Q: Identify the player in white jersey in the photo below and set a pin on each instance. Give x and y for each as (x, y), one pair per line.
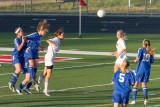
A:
(121, 50)
(53, 48)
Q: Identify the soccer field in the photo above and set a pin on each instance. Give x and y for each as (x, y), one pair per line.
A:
(83, 82)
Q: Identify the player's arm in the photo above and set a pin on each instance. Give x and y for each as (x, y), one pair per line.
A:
(140, 54)
(112, 82)
(121, 52)
(136, 60)
(113, 53)
(49, 42)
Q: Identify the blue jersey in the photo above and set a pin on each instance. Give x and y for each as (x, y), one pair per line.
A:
(17, 42)
(144, 63)
(122, 81)
(34, 40)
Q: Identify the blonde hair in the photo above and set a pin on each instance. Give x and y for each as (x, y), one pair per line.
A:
(43, 25)
(125, 66)
(17, 30)
(57, 33)
(123, 35)
(146, 43)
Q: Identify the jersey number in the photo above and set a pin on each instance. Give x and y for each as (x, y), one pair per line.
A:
(146, 57)
(121, 76)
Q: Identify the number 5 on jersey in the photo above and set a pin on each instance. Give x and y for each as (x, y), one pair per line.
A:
(121, 77)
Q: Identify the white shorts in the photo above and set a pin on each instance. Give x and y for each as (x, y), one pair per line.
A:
(49, 61)
(119, 61)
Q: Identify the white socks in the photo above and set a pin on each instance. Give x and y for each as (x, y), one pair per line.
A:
(46, 85)
(40, 80)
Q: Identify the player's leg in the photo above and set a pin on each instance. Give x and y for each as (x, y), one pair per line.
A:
(116, 67)
(117, 64)
(124, 105)
(31, 68)
(27, 81)
(134, 93)
(15, 76)
(23, 83)
(46, 83)
(125, 99)
(145, 92)
(35, 67)
(41, 77)
(116, 104)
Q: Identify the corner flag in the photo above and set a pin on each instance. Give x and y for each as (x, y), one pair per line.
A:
(82, 3)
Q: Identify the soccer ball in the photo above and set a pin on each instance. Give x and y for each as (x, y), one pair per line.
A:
(101, 13)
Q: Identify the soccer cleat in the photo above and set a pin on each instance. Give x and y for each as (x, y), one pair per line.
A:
(132, 102)
(37, 88)
(19, 92)
(145, 101)
(46, 93)
(33, 81)
(27, 91)
(11, 87)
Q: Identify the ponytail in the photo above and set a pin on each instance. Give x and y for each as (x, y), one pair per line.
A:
(125, 66)
(146, 43)
(43, 25)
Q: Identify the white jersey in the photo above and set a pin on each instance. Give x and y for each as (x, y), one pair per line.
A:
(51, 52)
(121, 45)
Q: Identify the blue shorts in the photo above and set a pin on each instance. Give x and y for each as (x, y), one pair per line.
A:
(17, 59)
(142, 77)
(121, 98)
(32, 53)
(25, 65)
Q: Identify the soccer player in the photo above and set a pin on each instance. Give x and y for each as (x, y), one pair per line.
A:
(32, 51)
(18, 56)
(144, 59)
(122, 80)
(121, 50)
(53, 48)
(26, 80)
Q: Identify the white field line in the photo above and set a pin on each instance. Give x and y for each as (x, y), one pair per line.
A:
(82, 52)
(65, 89)
(154, 106)
(6, 74)
(61, 89)
(69, 67)
(80, 87)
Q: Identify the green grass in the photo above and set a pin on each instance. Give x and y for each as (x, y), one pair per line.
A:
(137, 6)
(83, 76)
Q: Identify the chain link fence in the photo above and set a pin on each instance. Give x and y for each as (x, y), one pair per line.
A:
(71, 6)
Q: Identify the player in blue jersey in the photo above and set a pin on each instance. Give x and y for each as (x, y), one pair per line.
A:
(32, 52)
(18, 56)
(144, 59)
(122, 80)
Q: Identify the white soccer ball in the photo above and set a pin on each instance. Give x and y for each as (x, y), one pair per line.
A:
(101, 13)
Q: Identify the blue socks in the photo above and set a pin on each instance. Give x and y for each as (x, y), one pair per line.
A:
(28, 85)
(35, 71)
(31, 71)
(21, 86)
(134, 93)
(14, 78)
(145, 91)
